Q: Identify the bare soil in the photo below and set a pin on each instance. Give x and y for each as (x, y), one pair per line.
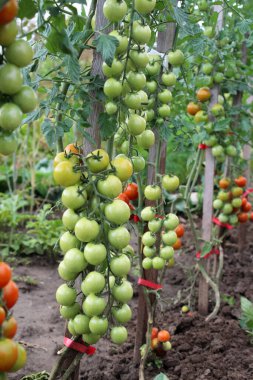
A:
(217, 350)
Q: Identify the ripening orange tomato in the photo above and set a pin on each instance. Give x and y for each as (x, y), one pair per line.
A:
(72, 148)
(203, 94)
(241, 181)
(193, 108)
(163, 336)
(5, 274)
(179, 230)
(243, 217)
(177, 245)
(224, 183)
(154, 332)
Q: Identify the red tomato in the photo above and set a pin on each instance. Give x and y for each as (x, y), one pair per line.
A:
(246, 207)
(154, 332)
(8, 12)
(10, 294)
(244, 202)
(8, 354)
(132, 191)
(180, 230)
(241, 181)
(243, 217)
(251, 216)
(9, 328)
(5, 274)
(163, 336)
(2, 315)
(123, 197)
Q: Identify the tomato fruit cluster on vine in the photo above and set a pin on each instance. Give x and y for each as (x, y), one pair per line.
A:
(16, 99)
(95, 244)
(12, 354)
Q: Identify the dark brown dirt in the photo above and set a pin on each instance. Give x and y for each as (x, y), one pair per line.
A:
(218, 350)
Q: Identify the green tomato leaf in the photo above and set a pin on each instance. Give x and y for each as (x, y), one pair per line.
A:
(106, 45)
(27, 9)
(52, 132)
(108, 125)
(73, 68)
(206, 248)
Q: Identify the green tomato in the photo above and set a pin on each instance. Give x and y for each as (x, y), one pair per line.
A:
(65, 295)
(146, 139)
(98, 326)
(69, 312)
(176, 58)
(169, 238)
(167, 252)
(11, 79)
(69, 219)
(111, 187)
(65, 273)
(8, 144)
(153, 192)
(10, 117)
(207, 68)
(120, 266)
(217, 150)
(151, 86)
(26, 99)
(90, 338)
(81, 324)
(115, 11)
(95, 254)
(94, 282)
(93, 305)
(149, 251)
(123, 42)
(148, 239)
(128, 250)
(165, 96)
(136, 124)
(97, 161)
(218, 77)
(136, 80)
(223, 196)
(217, 204)
(117, 212)
(133, 101)
(158, 263)
(169, 79)
(231, 151)
(141, 33)
(123, 293)
(139, 58)
(155, 225)
(233, 219)
(75, 261)
(68, 241)
(227, 209)
(111, 108)
(153, 69)
(19, 53)
(209, 31)
(145, 6)
(119, 237)
(65, 174)
(223, 218)
(8, 33)
(115, 70)
(112, 88)
(119, 335)
(211, 141)
(71, 327)
(138, 163)
(237, 202)
(148, 213)
(150, 115)
(86, 230)
(122, 314)
(147, 263)
(171, 222)
(170, 183)
(74, 197)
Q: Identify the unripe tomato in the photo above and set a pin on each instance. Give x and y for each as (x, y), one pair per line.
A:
(217, 150)
(119, 335)
(170, 183)
(69, 312)
(165, 96)
(115, 11)
(86, 230)
(8, 33)
(94, 283)
(69, 219)
(123, 293)
(112, 88)
(81, 324)
(217, 204)
(141, 33)
(122, 314)
(93, 305)
(149, 251)
(153, 192)
(151, 85)
(148, 239)
(147, 263)
(19, 53)
(148, 214)
(167, 252)
(136, 80)
(64, 174)
(133, 100)
(139, 58)
(8, 12)
(11, 79)
(119, 237)
(97, 161)
(223, 218)
(138, 163)
(176, 58)
(120, 265)
(201, 117)
(65, 273)
(223, 196)
(146, 139)
(75, 261)
(145, 6)
(123, 166)
(231, 151)
(169, 238)
(158, 263)
(111, 186)
(136, 124)
(169, 79)
(207, 68)
(164, 111)
(236, 202)
(68, 241)
(90, 338)
(123, 42)
(237, 191)
(111, 108)
(171, 222)
(60, 157)
(9, 328)
(26, 99)
(155, 225)
(65, 295)
(8, 144)
(71, 328)
(98, 325)
(115, 70)
(117, 212)
(94, 254)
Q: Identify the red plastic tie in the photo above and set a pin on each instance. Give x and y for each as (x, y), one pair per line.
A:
(225, 225)
(214, 251)
(247, 192)
(202, 146)
(149, 284)
(80, 347)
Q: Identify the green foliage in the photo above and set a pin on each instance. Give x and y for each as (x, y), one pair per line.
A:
(106, 45)
(161, 376)
(246, 319)
(37, 376)
(230, 300)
